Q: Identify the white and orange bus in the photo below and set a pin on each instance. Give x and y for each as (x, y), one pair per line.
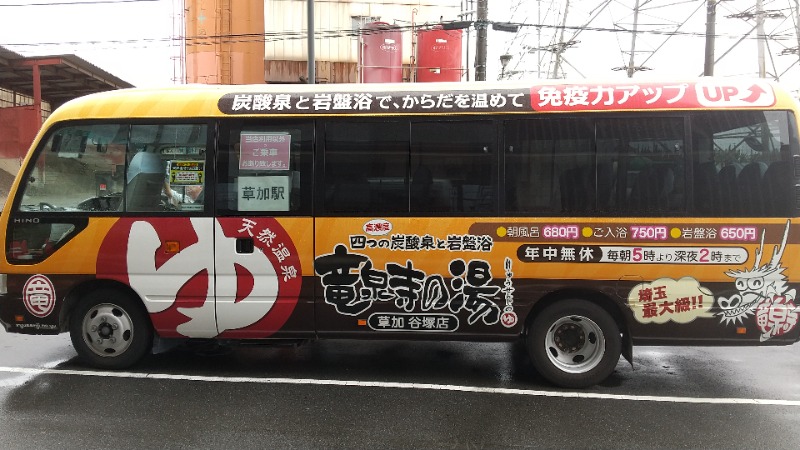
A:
(583, 218)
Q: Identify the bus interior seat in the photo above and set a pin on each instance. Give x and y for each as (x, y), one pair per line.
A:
(422, 189)
(707, 189)
(575, 189)
(351, 193)
(652, 188)
(750, 185)
(145, 182)
(472, 198)
(605, 185)
(729, 198)
(777, 183)
(588, 188)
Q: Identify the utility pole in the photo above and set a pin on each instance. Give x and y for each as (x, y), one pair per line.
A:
(560, 47)
(797, 24)
(760, 16)
(480, 42)
(711, 31)
(539, 39)
(762, 67)
(467, 12)
(631, 65)
(312, 70)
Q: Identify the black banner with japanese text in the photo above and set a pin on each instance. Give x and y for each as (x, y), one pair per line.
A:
(496, 100)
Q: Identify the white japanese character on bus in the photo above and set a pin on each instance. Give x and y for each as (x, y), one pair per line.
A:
(211, 318)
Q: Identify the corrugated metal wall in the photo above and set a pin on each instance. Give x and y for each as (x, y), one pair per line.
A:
(336, 49)
(223, 41)
(224, 44)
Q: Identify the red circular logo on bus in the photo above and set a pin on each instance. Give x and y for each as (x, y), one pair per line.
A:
(39, 296)
(508, 319)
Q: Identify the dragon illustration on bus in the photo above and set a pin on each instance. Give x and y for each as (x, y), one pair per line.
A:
(762, 291)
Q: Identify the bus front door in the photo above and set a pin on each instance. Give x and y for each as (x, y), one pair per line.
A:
(259, 268)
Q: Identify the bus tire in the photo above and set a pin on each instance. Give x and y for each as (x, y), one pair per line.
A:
(110, 330)
(574, 343)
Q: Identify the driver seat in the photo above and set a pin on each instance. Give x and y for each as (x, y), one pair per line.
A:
(145, 183)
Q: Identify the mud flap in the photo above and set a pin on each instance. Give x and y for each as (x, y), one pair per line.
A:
(627, 349)
(622, 290)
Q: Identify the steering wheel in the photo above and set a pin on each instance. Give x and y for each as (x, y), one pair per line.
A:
(43, 206)
(166, 205)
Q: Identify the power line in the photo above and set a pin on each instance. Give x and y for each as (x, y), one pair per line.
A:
(85, 2)
(342, 33)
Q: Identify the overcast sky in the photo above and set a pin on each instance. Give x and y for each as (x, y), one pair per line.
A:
(670, 42)
(133, 39)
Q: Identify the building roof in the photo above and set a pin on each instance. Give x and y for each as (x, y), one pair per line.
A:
(63, 77)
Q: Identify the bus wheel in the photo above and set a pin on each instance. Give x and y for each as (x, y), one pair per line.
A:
(574, 343)
(110, 330)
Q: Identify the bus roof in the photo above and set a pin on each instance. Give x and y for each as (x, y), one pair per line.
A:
(426, 98)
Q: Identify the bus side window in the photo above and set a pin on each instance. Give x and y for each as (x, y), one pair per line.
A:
(264, 169)
(462, 163)
(549, 167)
(166, 167)
(746, 164)
(366, 167)
(649, 154)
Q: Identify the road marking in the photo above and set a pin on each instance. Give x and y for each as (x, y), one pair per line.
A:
(22, 378)
(399, 385)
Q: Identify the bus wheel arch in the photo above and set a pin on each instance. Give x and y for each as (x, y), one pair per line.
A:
(575, 337)
(108, 324)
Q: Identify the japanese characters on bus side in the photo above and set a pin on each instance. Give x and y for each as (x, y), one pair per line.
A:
(409, 299)
(425, 302)
(366, 102)
(559, 97)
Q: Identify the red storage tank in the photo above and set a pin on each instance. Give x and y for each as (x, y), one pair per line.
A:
(380, 55)
(439, 55)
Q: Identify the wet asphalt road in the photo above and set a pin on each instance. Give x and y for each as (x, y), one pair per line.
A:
(385, 394)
